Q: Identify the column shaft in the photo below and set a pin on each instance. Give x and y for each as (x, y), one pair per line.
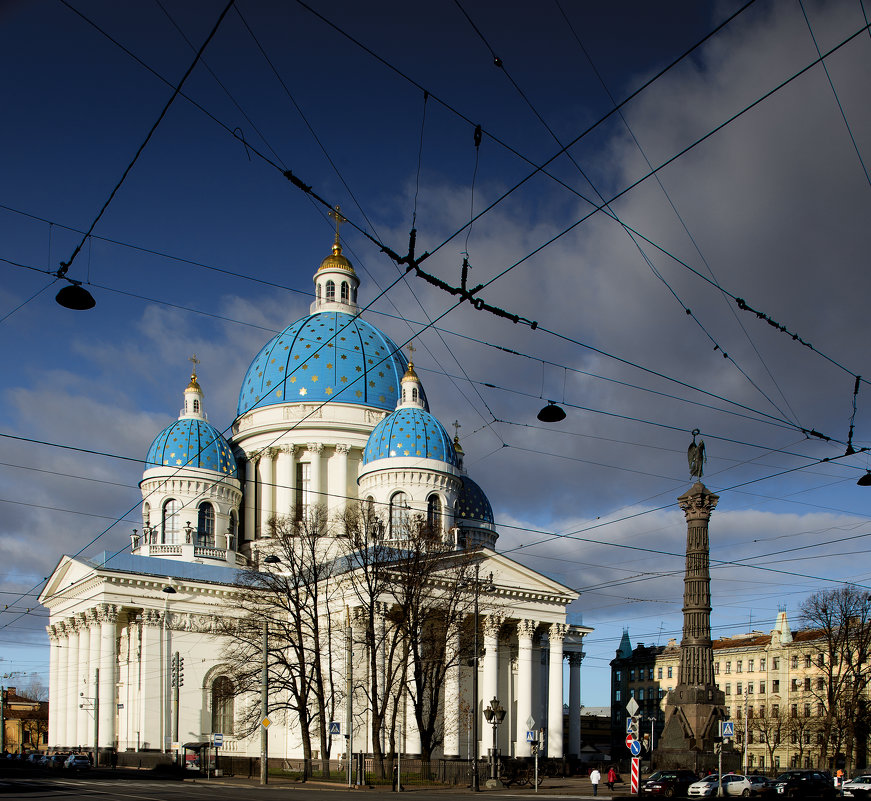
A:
(314, 450)
(83, 716)
(525, 633)
(108, 665)
(250, 497)
(340, 494)
(490, 680)
(555, 692)
(71, 699)
(451, 746)
(267, 490)
(574, 748)
(57, 689)
(284, 475)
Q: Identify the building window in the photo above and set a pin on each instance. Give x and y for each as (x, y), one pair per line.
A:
(807, 684)
(659, 673)
(640, 693)
(775, 686)
(169, 524)
(661, 694)
(728, 667)
(749, 712)
(222, 705)
(762, 688)
(775, 663)
(775, 711)
(821, 660)
(331, 291)
(650, 674)
(762, 710)
(749, 688)
(821, 683)
(716, 668)
(618, 675)
(739, 666)
(398, 516)
(728, 688)
(808, 661)
(750, 742)
(739, 688)
(762, 663)
(670, 671)
(631, 674)
(821, 710)
(616, 695)
(795, 685)
(434, 514)
(345, 293)
(632, 693)
(749, 665)
(807, 710)
(793, 711)
(303, 490)
(206, 525)
(794, 662)
(233, 530)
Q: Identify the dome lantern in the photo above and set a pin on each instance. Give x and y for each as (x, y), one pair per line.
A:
(193, 396)
(336, 282)
(410, 393)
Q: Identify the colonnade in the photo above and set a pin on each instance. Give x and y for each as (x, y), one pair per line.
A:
(80, 646)
(271, 481)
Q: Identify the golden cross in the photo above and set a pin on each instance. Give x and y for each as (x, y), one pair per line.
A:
(195, 361)
(336, 214)
(411, 349)
(457, 427)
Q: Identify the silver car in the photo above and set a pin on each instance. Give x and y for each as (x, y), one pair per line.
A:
(858, 786)
(733, 784)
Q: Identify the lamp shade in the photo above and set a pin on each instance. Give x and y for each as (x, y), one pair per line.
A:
(75, 297)
(551, 413)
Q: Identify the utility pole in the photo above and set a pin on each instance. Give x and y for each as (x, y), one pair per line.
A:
(96, 716)
(349, 694)
(264, 704)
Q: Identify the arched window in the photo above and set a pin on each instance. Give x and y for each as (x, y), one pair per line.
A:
(318, 291)
(398, 516)
(353, 294)
(414, 394)
(434, 514)
(206, 525)
(196, 406)
(169, 524)
(345, 294)
(222, 705)
(146, 514)
(331, 291)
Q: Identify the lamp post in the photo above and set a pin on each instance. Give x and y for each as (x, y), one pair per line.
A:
(477, 585)
(494, 714)
(169, 590)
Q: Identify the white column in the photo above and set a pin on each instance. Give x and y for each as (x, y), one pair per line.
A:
(451, 747)
(525, 633)
(490, 680)
(71, 694)
(339, 498)
(575, 658)
(267, 489)
(83, 718)
(285, 465)
(55, 665)
(314, 449)
(555, 691)
(107, 615)
(250, 497)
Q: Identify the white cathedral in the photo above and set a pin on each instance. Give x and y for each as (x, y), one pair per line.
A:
(329, 413)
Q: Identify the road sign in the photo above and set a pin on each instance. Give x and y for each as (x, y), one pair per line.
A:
(335, 727)
(632, 706)
(633, 776)
(217, 739)
(727, 728)
(530, 722)
(531, 737)
(629, 740)
(635, 748)
(266, 722)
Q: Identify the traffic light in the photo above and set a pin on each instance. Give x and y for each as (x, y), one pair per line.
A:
(177, 670)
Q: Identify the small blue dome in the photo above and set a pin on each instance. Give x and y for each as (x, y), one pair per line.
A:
(472, 505)
(191, 442)
(410, 431)
(327, 356)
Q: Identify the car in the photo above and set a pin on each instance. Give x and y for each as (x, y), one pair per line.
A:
(34, 757)
(804, 784)
(733, 784)
(57, 760)
(668, 783)
(761, 785)
(858, 786)
(77, 762)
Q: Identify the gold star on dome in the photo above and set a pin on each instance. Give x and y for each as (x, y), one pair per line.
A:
(278, 393)
(303, 391)
(329, 390)
(329, 365)
(293, 379)
(314, 378)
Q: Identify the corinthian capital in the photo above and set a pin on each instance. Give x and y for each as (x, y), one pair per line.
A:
(492, 624)
(526, 628)
(314, 447)
(557, 632)
(343, 448)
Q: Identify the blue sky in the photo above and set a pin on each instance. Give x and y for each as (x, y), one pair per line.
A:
(772, 206)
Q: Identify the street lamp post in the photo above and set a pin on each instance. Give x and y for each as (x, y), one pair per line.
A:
(495, 714)
(477, 585)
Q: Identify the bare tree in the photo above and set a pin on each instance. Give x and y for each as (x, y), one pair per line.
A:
(842, 619)
(771, 723)
(291, 598)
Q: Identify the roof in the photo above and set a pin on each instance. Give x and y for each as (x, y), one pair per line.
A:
(191, 442)
(166, 568)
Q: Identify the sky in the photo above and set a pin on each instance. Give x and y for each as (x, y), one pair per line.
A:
(737, 169)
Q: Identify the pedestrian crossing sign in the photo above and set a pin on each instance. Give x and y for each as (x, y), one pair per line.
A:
(530, 737)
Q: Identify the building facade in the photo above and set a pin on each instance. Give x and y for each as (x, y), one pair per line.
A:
(774, 685)
(330, 415)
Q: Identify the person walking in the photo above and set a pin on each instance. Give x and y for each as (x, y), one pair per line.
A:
(612, 777)
(595, 778)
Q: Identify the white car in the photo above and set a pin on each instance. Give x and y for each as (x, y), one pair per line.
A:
(858, 786)
(733, 784)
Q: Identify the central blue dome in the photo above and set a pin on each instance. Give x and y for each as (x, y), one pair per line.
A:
(191, 442)
(327, 356)
(410, 432)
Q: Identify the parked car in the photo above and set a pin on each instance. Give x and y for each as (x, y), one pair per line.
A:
(858, 786)
(761, 785)
(669, 783)
(733, 784)
(804, 784)
(77, 762)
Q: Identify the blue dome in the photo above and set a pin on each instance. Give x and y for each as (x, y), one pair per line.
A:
(472, 505)
(410, 431)
(191, 442)
(327, 356)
